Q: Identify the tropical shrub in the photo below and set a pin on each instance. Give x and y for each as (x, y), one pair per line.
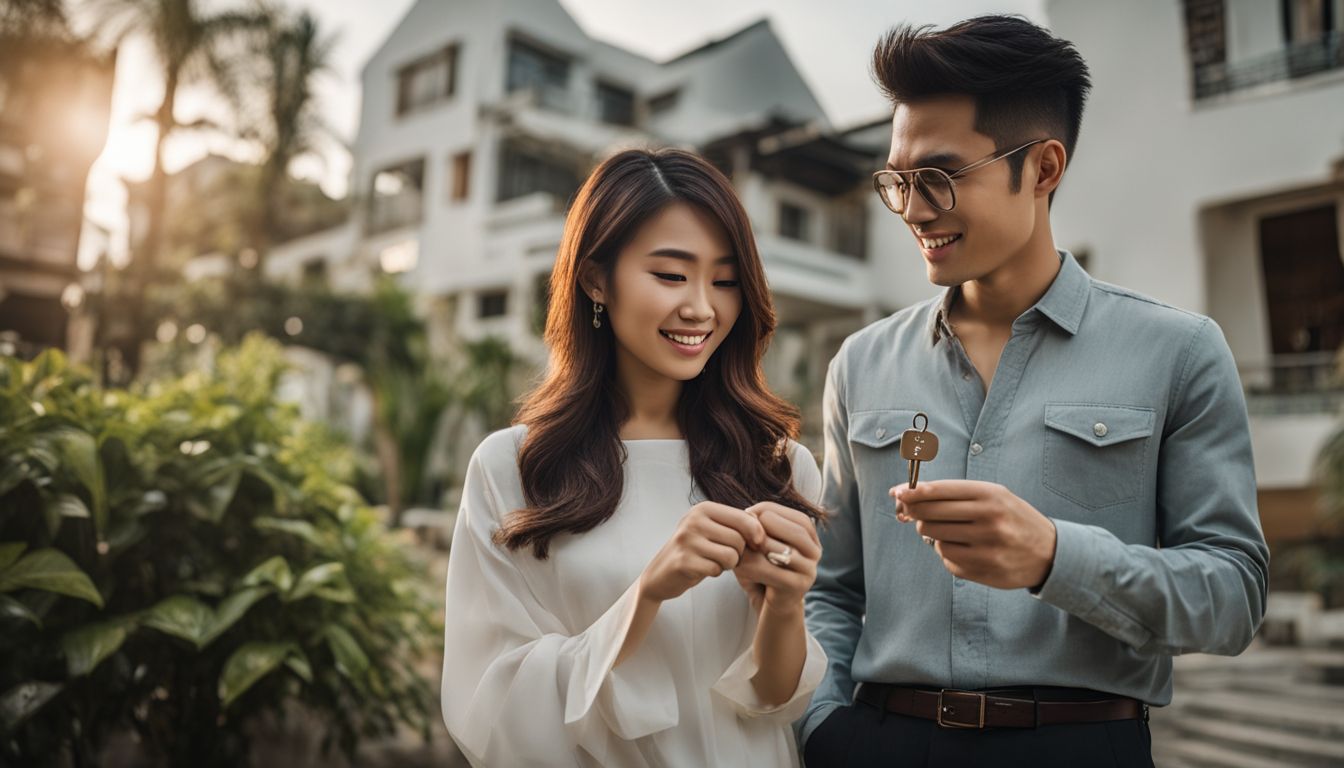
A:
(186, 557)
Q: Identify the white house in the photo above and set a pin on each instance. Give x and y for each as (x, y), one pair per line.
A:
(480, 119)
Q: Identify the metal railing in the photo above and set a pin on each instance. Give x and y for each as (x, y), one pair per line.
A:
(1288, 63)
(1305, 383)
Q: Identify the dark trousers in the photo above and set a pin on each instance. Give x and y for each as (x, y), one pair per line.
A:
(862, 735)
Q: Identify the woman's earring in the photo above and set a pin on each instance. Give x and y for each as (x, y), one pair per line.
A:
(597, 312)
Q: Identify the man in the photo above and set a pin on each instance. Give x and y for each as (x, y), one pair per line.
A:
(1091, 510)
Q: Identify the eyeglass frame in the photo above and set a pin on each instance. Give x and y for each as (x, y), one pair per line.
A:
(951, 177)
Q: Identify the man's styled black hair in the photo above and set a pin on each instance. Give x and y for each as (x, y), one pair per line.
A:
(1027, 83)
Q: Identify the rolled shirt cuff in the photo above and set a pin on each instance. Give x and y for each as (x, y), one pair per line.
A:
(736, 688)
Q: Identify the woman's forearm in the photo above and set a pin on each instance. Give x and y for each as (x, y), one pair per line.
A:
(780, 648)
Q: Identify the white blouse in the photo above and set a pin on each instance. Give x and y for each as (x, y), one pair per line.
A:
(529, 646)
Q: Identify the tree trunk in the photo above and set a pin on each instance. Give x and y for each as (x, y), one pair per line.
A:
(389, 458)
(146, 259)
(267, 232)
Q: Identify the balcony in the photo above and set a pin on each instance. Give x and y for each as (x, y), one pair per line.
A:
(1289, 63)
(559, 117)
(803, 271)
(1294, 404)
(1302, 384)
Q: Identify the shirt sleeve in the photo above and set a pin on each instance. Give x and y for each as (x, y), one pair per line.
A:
(735, 684)
(1203, 590)
(518, 689)
(835, 604)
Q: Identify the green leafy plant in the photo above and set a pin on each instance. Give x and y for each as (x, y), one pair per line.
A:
(185, 558)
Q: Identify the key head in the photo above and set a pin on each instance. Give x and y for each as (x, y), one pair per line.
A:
(919, 445)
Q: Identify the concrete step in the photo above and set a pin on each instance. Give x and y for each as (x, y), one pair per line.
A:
(1323, 657)
(1258, 658)
(1286, 747)
(1265, 710)
(1313, 692)
(1201, 754)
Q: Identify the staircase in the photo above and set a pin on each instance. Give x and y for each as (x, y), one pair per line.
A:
(1271, 707)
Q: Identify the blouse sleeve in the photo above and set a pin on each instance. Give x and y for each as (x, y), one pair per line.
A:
(518, 689)
(735, 683)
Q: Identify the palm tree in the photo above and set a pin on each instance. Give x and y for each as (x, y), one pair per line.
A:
(277, 106)
(24, 20)
(188, 43)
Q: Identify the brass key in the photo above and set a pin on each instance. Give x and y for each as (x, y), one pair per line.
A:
(918, 445)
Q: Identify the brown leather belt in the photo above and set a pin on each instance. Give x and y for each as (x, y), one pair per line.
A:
(974, 709)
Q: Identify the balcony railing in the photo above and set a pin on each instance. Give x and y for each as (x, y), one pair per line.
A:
(395, 211)
(1289, 63)
(1307, 383)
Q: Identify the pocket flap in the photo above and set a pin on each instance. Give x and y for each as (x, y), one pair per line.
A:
(1100, 425)
(879, 429)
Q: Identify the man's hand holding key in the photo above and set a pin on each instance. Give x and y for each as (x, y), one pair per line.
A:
(981, 530)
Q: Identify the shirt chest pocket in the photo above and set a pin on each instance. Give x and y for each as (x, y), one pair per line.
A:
(1096, 455)
(875, 441)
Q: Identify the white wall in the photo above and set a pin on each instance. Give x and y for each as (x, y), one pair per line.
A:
(1149, 159)
(1286, 448)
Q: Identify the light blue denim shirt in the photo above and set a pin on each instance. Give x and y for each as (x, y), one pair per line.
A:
(1120, 418)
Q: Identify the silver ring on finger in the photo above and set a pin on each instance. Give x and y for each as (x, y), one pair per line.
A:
(928, 540)
(781, 558)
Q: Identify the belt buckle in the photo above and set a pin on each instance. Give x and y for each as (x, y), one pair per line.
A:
(945, 709)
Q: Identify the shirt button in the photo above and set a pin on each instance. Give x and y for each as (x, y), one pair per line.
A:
(1099, 429)
(966, 376)
(977, 449)
(881, 432)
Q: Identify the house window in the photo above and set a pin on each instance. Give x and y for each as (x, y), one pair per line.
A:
(531, 68)
(664, 101)
(395, 196)
(1206, 32)
(849, 228)
(399, 257)
(522, 172)
(460, 177)
(793, 222)
(1304, 280)
(1306, 21)
(492, 304)
(315, 271)
(428, 81)
(615, 105)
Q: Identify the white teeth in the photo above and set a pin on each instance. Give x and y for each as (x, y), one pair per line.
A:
(689, 341)
(938, 242)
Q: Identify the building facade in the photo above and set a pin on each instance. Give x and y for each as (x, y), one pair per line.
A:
(480, 120)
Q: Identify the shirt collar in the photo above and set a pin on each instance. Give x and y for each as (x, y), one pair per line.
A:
(1063, 303)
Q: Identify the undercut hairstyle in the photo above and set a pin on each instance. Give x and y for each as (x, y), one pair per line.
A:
(1027, 84)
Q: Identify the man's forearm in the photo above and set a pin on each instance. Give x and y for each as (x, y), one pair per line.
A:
(1180, 599)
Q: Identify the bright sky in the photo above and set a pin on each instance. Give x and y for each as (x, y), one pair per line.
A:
(830, 42)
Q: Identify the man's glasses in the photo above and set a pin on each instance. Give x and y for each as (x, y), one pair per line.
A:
(934, 184)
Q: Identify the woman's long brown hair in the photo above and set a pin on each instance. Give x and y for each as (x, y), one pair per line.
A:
(736, 430)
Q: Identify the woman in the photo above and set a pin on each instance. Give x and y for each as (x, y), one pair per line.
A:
(585, 621)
